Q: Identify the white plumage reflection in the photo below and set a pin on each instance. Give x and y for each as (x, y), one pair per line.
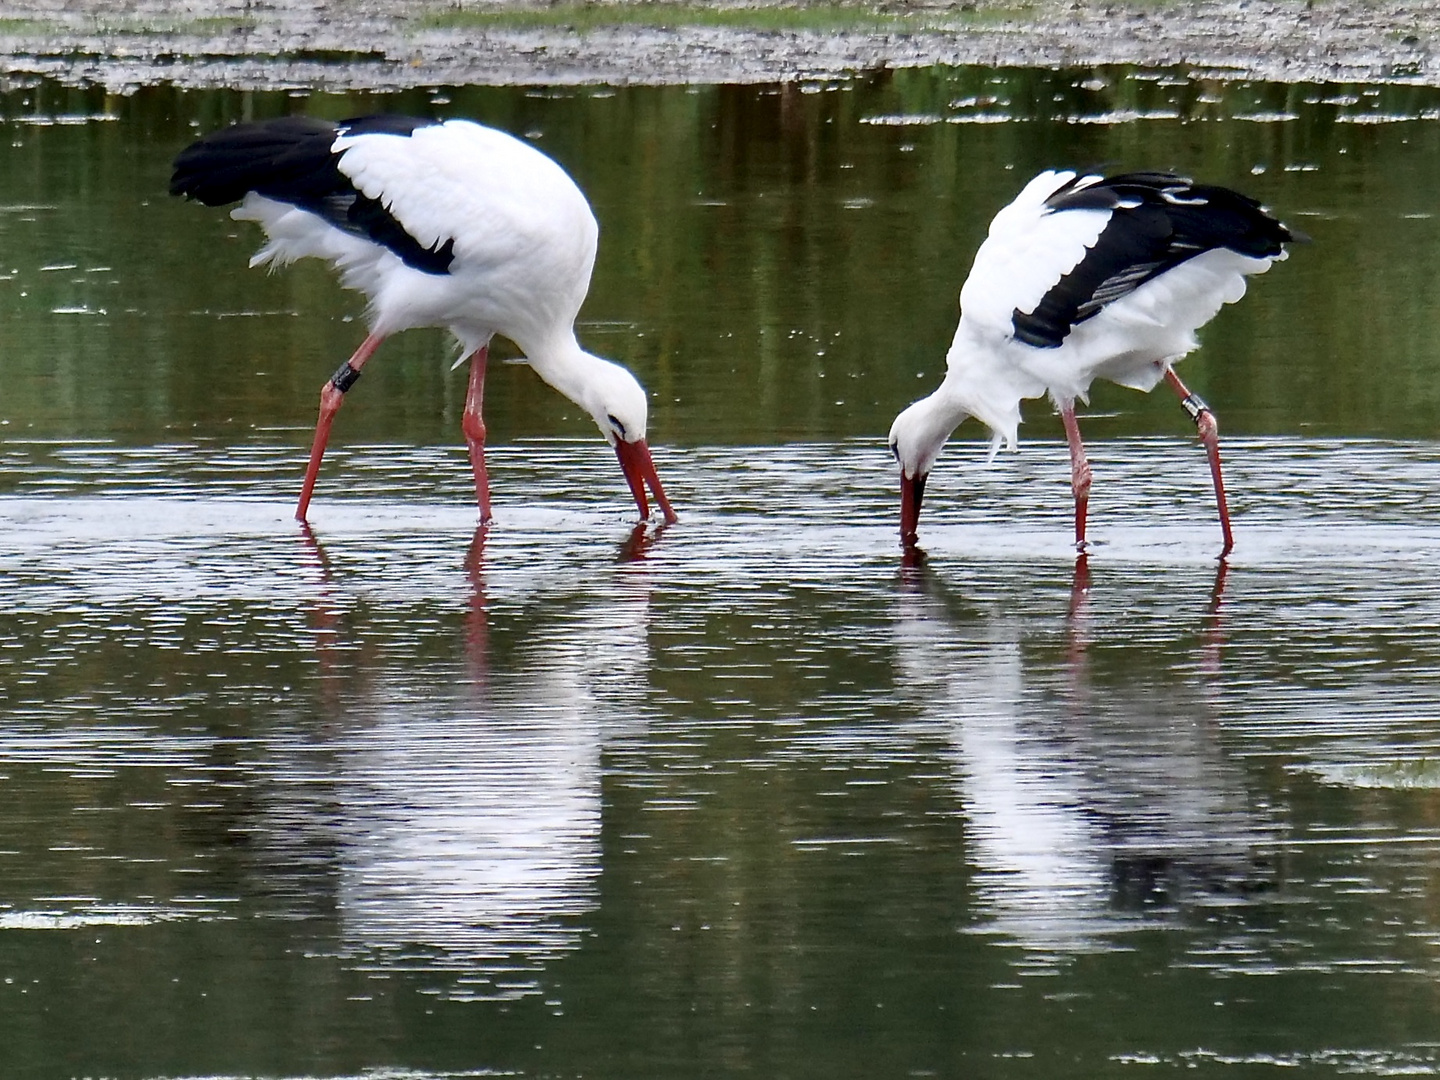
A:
(448, 224)
(1084, 277)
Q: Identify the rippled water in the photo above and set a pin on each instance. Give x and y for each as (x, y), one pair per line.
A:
(742, 783)
(388, 797)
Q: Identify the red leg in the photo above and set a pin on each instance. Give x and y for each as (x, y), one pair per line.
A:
(332, 394)
(1079, 472)
(1209, 430)
(473, 424)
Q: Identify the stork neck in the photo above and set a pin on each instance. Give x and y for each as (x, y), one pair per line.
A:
(934, 418)
(983, 382)
(565, 366)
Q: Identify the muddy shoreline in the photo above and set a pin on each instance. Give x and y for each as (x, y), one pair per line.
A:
(396, 44)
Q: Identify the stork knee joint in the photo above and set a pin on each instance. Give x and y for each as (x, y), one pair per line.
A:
(473, 426)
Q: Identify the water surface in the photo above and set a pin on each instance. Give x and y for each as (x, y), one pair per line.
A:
(388, 797)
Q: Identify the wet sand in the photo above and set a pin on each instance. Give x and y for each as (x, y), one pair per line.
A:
(393, 44)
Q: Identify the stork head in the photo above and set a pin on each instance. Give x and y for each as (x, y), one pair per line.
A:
(916, 438)
(616, 401)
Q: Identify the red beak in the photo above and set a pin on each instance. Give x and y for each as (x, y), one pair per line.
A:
(912, 491)
(640, 470)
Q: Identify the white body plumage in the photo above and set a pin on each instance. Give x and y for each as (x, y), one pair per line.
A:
(524, 247)
(524, 236)
(1130, 341)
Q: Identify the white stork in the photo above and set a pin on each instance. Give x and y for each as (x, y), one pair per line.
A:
(438, 223)
(1084, 277)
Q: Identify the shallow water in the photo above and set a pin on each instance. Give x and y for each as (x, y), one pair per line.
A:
(576, 798)
(386, 797)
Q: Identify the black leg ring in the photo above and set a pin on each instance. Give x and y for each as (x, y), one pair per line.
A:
(345, 377)
(1194, 405)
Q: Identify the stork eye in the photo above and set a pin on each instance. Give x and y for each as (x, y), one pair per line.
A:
(615, 423)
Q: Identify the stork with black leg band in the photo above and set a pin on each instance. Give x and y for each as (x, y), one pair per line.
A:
(440, 223)
(1086, 277)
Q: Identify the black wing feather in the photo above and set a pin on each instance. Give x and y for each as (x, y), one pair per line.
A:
(1158, 221)
(290, 160)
